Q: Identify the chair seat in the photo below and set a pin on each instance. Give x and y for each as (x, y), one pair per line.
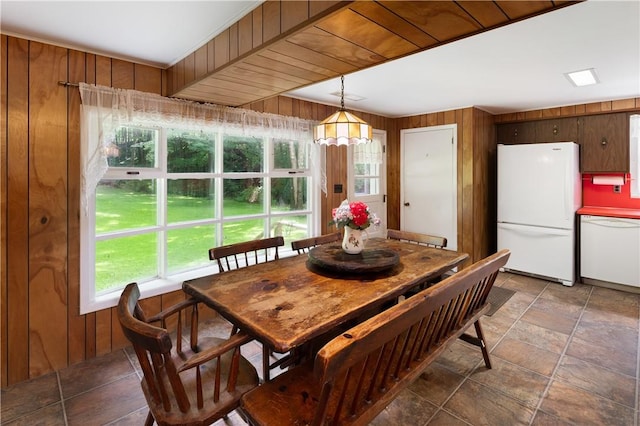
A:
(247, 379)
(290, 386)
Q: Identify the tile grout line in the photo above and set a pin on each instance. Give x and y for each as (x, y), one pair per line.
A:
(130, 359)
(562, 355)
(64, 408)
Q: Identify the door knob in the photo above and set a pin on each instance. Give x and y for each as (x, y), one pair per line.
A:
(407, 204)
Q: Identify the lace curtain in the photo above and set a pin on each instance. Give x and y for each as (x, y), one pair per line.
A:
(369, 153)
(104, 109)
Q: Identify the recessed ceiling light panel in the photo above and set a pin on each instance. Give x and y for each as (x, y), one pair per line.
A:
(583, 77)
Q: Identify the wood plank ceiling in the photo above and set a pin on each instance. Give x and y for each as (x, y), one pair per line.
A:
(355, 36)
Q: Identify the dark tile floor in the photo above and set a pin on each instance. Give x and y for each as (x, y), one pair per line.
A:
(561, 356)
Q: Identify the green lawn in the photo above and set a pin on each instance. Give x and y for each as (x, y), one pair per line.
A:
(126, 259)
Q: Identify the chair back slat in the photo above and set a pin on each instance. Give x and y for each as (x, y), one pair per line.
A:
(306, 244)
(246, 253)
(417, 238)
(391, 346)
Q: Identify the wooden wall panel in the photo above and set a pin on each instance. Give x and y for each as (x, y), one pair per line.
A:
(245, 34)
(189, 68)
(122, 75)
(293, 13)
(77, 325)
(484, 181)
(47, 209)
(147, 79)
(221, 49)
(233, 41)
(201, 60)
(89, 319)
(3, 212)
(272, 20)
(18, 214)
(465, 204)
(103, 71)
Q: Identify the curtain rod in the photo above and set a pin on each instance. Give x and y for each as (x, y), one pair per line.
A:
(67, 84)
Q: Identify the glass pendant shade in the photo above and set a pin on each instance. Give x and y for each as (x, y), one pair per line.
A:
(342, 128)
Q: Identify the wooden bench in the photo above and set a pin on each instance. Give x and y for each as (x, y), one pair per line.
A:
(358, 373)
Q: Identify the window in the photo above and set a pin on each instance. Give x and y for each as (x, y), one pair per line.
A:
(168, 194)
(634, 151)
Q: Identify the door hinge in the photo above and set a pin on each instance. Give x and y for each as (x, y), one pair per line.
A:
(384, 149)
(384, 198)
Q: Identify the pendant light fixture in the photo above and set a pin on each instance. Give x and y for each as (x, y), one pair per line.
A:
(342, 128)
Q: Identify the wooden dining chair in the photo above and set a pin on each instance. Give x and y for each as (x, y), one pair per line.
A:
(417, 238)
(306, 244)
(193, 385)
(243, 254)
(246, 253)
(421, 239)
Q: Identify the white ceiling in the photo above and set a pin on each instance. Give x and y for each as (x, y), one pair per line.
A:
(519, 67)
(158, 33)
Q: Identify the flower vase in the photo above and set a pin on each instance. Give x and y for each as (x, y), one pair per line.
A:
(353, 240)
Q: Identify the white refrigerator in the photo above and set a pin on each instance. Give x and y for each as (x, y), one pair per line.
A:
(539, 191)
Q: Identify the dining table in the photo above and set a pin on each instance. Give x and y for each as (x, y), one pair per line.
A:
(288, 302)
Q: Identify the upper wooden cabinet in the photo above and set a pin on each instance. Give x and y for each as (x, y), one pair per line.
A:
(557, 130)
(554, 130)
(603, 138)
(513, 133)
(604, 141)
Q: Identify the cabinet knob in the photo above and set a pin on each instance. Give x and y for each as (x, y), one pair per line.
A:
(407, 204)
(603, 143)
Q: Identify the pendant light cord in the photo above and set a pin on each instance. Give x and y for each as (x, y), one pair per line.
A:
(342, 92)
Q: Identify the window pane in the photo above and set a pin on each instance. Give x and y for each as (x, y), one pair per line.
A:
(125, 204)
(289, 193)
(133, 147)
(243, 197)
(290, 155)
(189, 248)
(367, 186)
(242, 154)
(190, 199)
(290, 227)
(190, 151)
(122, 260)
(242, 230)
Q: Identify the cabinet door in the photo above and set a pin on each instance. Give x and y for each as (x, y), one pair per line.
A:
(605, 143)
(557, 130)
(512, 133)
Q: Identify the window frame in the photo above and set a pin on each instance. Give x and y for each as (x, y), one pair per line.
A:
(91, 300)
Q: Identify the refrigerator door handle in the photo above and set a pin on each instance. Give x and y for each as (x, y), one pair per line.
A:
(533, 230)
(568, 202)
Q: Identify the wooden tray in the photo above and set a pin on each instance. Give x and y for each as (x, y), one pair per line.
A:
(331, 257)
